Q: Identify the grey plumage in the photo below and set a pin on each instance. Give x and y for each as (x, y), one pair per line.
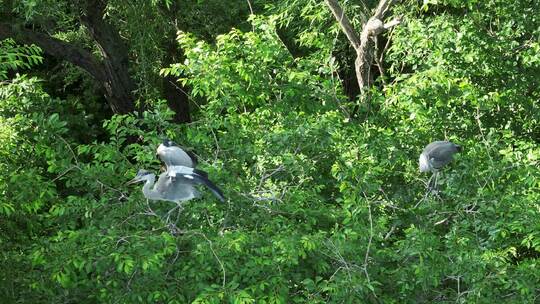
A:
(437, 154)
(434, 157)
(177, 184)
(172, 155)
(195, 176)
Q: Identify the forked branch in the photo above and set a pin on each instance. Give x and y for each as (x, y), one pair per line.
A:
(364, 44)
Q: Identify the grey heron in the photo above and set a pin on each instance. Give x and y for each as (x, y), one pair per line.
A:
(172, 155)
(436, 155)
(178, 189)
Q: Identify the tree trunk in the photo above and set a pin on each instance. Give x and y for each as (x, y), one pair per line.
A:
(364, 45)
(116, 80)
(111, 72)
(175, 93)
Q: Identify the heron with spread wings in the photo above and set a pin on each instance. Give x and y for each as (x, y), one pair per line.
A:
(178, 189)
(178, 183)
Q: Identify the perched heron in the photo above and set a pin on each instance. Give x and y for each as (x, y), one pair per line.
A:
(178, 189)
(172, 155)
(436, 155)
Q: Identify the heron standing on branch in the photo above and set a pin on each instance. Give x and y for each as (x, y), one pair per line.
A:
(178, 189)
(435, 156)
(177, 183)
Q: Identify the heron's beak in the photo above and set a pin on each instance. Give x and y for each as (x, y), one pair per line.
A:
(133, 181)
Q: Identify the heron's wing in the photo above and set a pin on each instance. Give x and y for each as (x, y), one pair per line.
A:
(434, 145)
(173, 171)
(175, 156)
(194, 176)
(442, 154)
(190, 154)
(175, 189)
(202, 178)
(193, 158)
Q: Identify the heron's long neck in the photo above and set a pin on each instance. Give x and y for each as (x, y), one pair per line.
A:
(147, 190)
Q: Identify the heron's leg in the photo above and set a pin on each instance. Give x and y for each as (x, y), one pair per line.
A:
(435, 189)
(428, 190)
(423, 198)
(180, 209)
(151, 211)
(435, 184)
(168, 215)
(431, 187)
(430, 182)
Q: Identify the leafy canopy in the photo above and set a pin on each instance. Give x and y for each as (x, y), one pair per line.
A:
(321, 208)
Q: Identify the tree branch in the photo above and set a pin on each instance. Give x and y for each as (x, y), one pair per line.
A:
(111, 72)
(104, 34)
(344, 23)
(56, 48)
(382, 8)
(365, 45)
(118, 83)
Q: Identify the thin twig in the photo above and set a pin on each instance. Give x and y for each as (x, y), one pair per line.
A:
(217, 258)
(366, 257)
(218, 149)
(250, 7)
(266, 176)
(71, 150)
(65, 172)
(185, 93)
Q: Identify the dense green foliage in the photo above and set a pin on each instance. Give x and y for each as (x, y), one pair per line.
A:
(321, 207)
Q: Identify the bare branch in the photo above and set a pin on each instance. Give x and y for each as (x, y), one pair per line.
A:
(344, 22)
(370, 240)
(365, 44)
(388, 25)
(382, 7)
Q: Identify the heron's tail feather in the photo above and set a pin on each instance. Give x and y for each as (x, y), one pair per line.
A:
(200, 172)
(193, 158)
(201, 177)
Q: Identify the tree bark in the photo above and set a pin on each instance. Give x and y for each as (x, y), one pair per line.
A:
(364, 45)
(175, 93)
(117, 83)
(55, 47)
(111, 72)
(344, 23)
